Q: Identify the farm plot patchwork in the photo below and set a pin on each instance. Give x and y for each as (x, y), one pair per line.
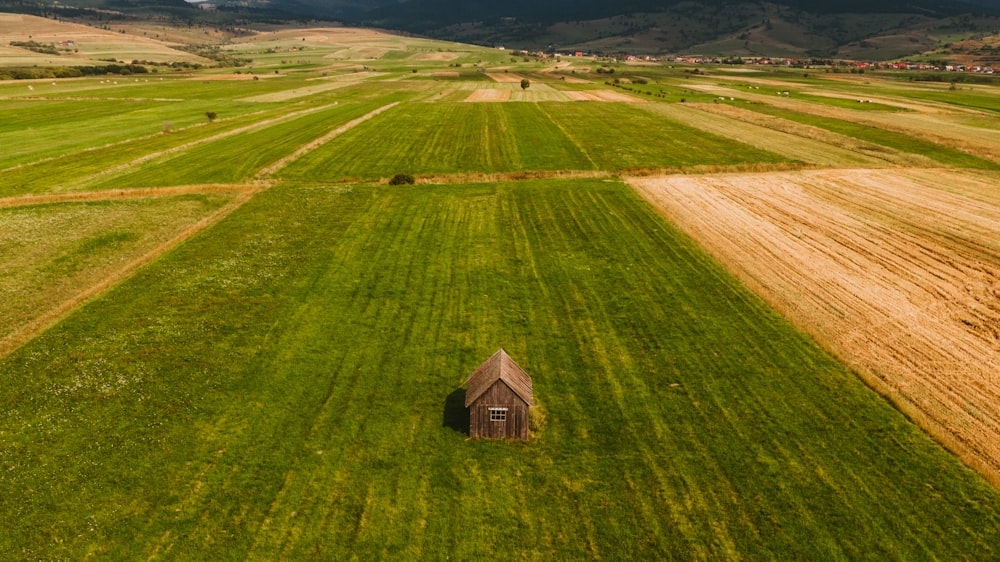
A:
(50, 253)
(897, 272)
(237, 158)
(947, 129)
(283, 386)
(32, 136)
(902, 141)
(286, 384)
(74, 170)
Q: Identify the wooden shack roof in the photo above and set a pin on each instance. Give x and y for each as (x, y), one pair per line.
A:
(499, 367)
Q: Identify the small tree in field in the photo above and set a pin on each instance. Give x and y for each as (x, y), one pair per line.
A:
(525, 83)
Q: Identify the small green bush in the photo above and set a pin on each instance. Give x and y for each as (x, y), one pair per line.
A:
(402, 179)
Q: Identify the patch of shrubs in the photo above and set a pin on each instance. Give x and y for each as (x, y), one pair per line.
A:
(30, 73)
(43, 48)
(402, 179)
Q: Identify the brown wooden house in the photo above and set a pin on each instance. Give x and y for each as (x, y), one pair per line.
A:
(498, 395)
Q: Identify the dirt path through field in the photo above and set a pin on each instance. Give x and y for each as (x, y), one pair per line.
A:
(115, 194)
(897, 272)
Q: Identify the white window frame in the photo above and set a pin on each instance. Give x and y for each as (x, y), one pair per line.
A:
(498, 414)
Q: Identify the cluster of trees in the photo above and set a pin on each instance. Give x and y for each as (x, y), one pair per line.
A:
(43, 48)
(45, 72)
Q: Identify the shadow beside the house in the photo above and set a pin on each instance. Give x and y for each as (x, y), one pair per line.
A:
(456, 415)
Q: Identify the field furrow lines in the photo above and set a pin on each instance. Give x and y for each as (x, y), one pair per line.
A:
(824, 150)
(256, 126)
(901, 302)
(44, 320)
(943, 130)
(273, 168)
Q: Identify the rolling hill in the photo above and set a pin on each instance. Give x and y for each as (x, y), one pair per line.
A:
(880, 29)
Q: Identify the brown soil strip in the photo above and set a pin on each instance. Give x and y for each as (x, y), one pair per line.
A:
(485, 95)
(603, 95)
(115, 194)
(573, 174)
(896, 272)
(437, 56)
(504, 77)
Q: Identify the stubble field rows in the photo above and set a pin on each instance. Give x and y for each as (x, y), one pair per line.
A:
(897, 272)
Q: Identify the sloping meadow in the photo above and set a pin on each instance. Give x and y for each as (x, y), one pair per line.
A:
(282, 386)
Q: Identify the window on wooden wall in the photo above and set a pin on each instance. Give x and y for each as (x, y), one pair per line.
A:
(498, 414)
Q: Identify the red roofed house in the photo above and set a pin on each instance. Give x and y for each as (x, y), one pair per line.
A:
(498, 395)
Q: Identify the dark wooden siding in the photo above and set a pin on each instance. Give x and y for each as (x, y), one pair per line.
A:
(499, 395)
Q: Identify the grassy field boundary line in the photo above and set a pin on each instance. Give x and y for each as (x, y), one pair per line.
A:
(182, 147)
(53, 316)
(274, 168)
(462, 178)
(109, 195)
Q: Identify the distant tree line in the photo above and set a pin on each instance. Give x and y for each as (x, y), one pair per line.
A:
(36, 72)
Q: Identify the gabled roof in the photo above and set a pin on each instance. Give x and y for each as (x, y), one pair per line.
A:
(499, 367)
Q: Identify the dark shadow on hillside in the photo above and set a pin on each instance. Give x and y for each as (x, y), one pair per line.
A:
(456, 415)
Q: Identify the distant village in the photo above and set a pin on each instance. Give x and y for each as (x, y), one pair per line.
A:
(846, 65)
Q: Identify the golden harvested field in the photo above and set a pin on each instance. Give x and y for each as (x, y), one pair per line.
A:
(807, 144)
(969, 130)
(504, 77)
(603, 95)
(81, 44)
(482, 95)
(896, 271)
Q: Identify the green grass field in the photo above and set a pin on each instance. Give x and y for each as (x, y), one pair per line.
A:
(286, 383)
(283, 386)
(486, 138)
